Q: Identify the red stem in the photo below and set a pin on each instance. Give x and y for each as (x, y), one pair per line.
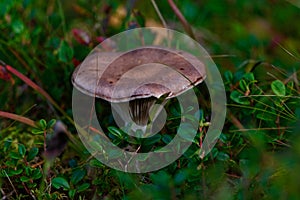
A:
(38, 89)
(45, 94)
(19, 118)
(182, 19)
(30, 83)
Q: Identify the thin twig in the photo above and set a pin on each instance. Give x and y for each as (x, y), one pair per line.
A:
(263, 110)
(22, 114)
(28, 191)
(182, 19)
(37, 164)
(233, 175)
(45, 137)
(19, 118)
(235, 121)
(282, 143)
(11, 183)
(287, 51)
(134, 154)
(296, 81)
(268, 95)
(260, 129)
(159, 14)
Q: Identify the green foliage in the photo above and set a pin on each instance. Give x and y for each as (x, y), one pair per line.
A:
(278, 88)
(257, 155)
(60, 182)
(18, 168)
(43, 126)
(65, 52)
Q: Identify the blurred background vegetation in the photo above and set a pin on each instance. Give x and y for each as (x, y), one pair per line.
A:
(256, 47)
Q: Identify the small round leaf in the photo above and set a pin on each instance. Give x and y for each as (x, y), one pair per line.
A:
(59, 182)
(278, 88)
(77, 175)
(32, 153)
(21, 149)
(43, 123)
(83, 187)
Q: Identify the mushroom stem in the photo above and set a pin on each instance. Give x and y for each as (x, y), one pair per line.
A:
(138, 113)
(139, 110)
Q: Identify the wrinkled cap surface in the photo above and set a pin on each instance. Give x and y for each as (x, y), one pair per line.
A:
(140, 73)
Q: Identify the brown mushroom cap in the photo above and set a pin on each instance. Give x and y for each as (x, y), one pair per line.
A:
(99, 74)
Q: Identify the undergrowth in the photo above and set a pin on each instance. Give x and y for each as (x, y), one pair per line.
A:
(257, 156)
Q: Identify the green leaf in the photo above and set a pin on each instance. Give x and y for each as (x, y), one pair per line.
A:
(32, 153)
(32, 185)
(36, 131)
(238, 98)
(222, 156)
(59, 182)
(28, 170)
(17, 26)
(43, 124)
(214, 152)
(167, 139)
(223, 138)
(21, 150)
(51, 123)
(24, 179)
(249, 77)
(36, 174)
(278, 88)
(115, 131)
(161, 178)
(12, 172)
(228, 76)
(72, 193)
(15, 155)
(65, 52)
(7, 144)
(2, 173)
(180, 177)
(187, 132)
(243, 85)
(6, 6)
(83, 187)
(95, 163)
(77, 175)
(152, 140)
(11, 163)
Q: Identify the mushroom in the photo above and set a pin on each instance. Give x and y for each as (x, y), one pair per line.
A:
(134, 80)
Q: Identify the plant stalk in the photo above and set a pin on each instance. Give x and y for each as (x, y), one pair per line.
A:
(19, 118)
(182, 19)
